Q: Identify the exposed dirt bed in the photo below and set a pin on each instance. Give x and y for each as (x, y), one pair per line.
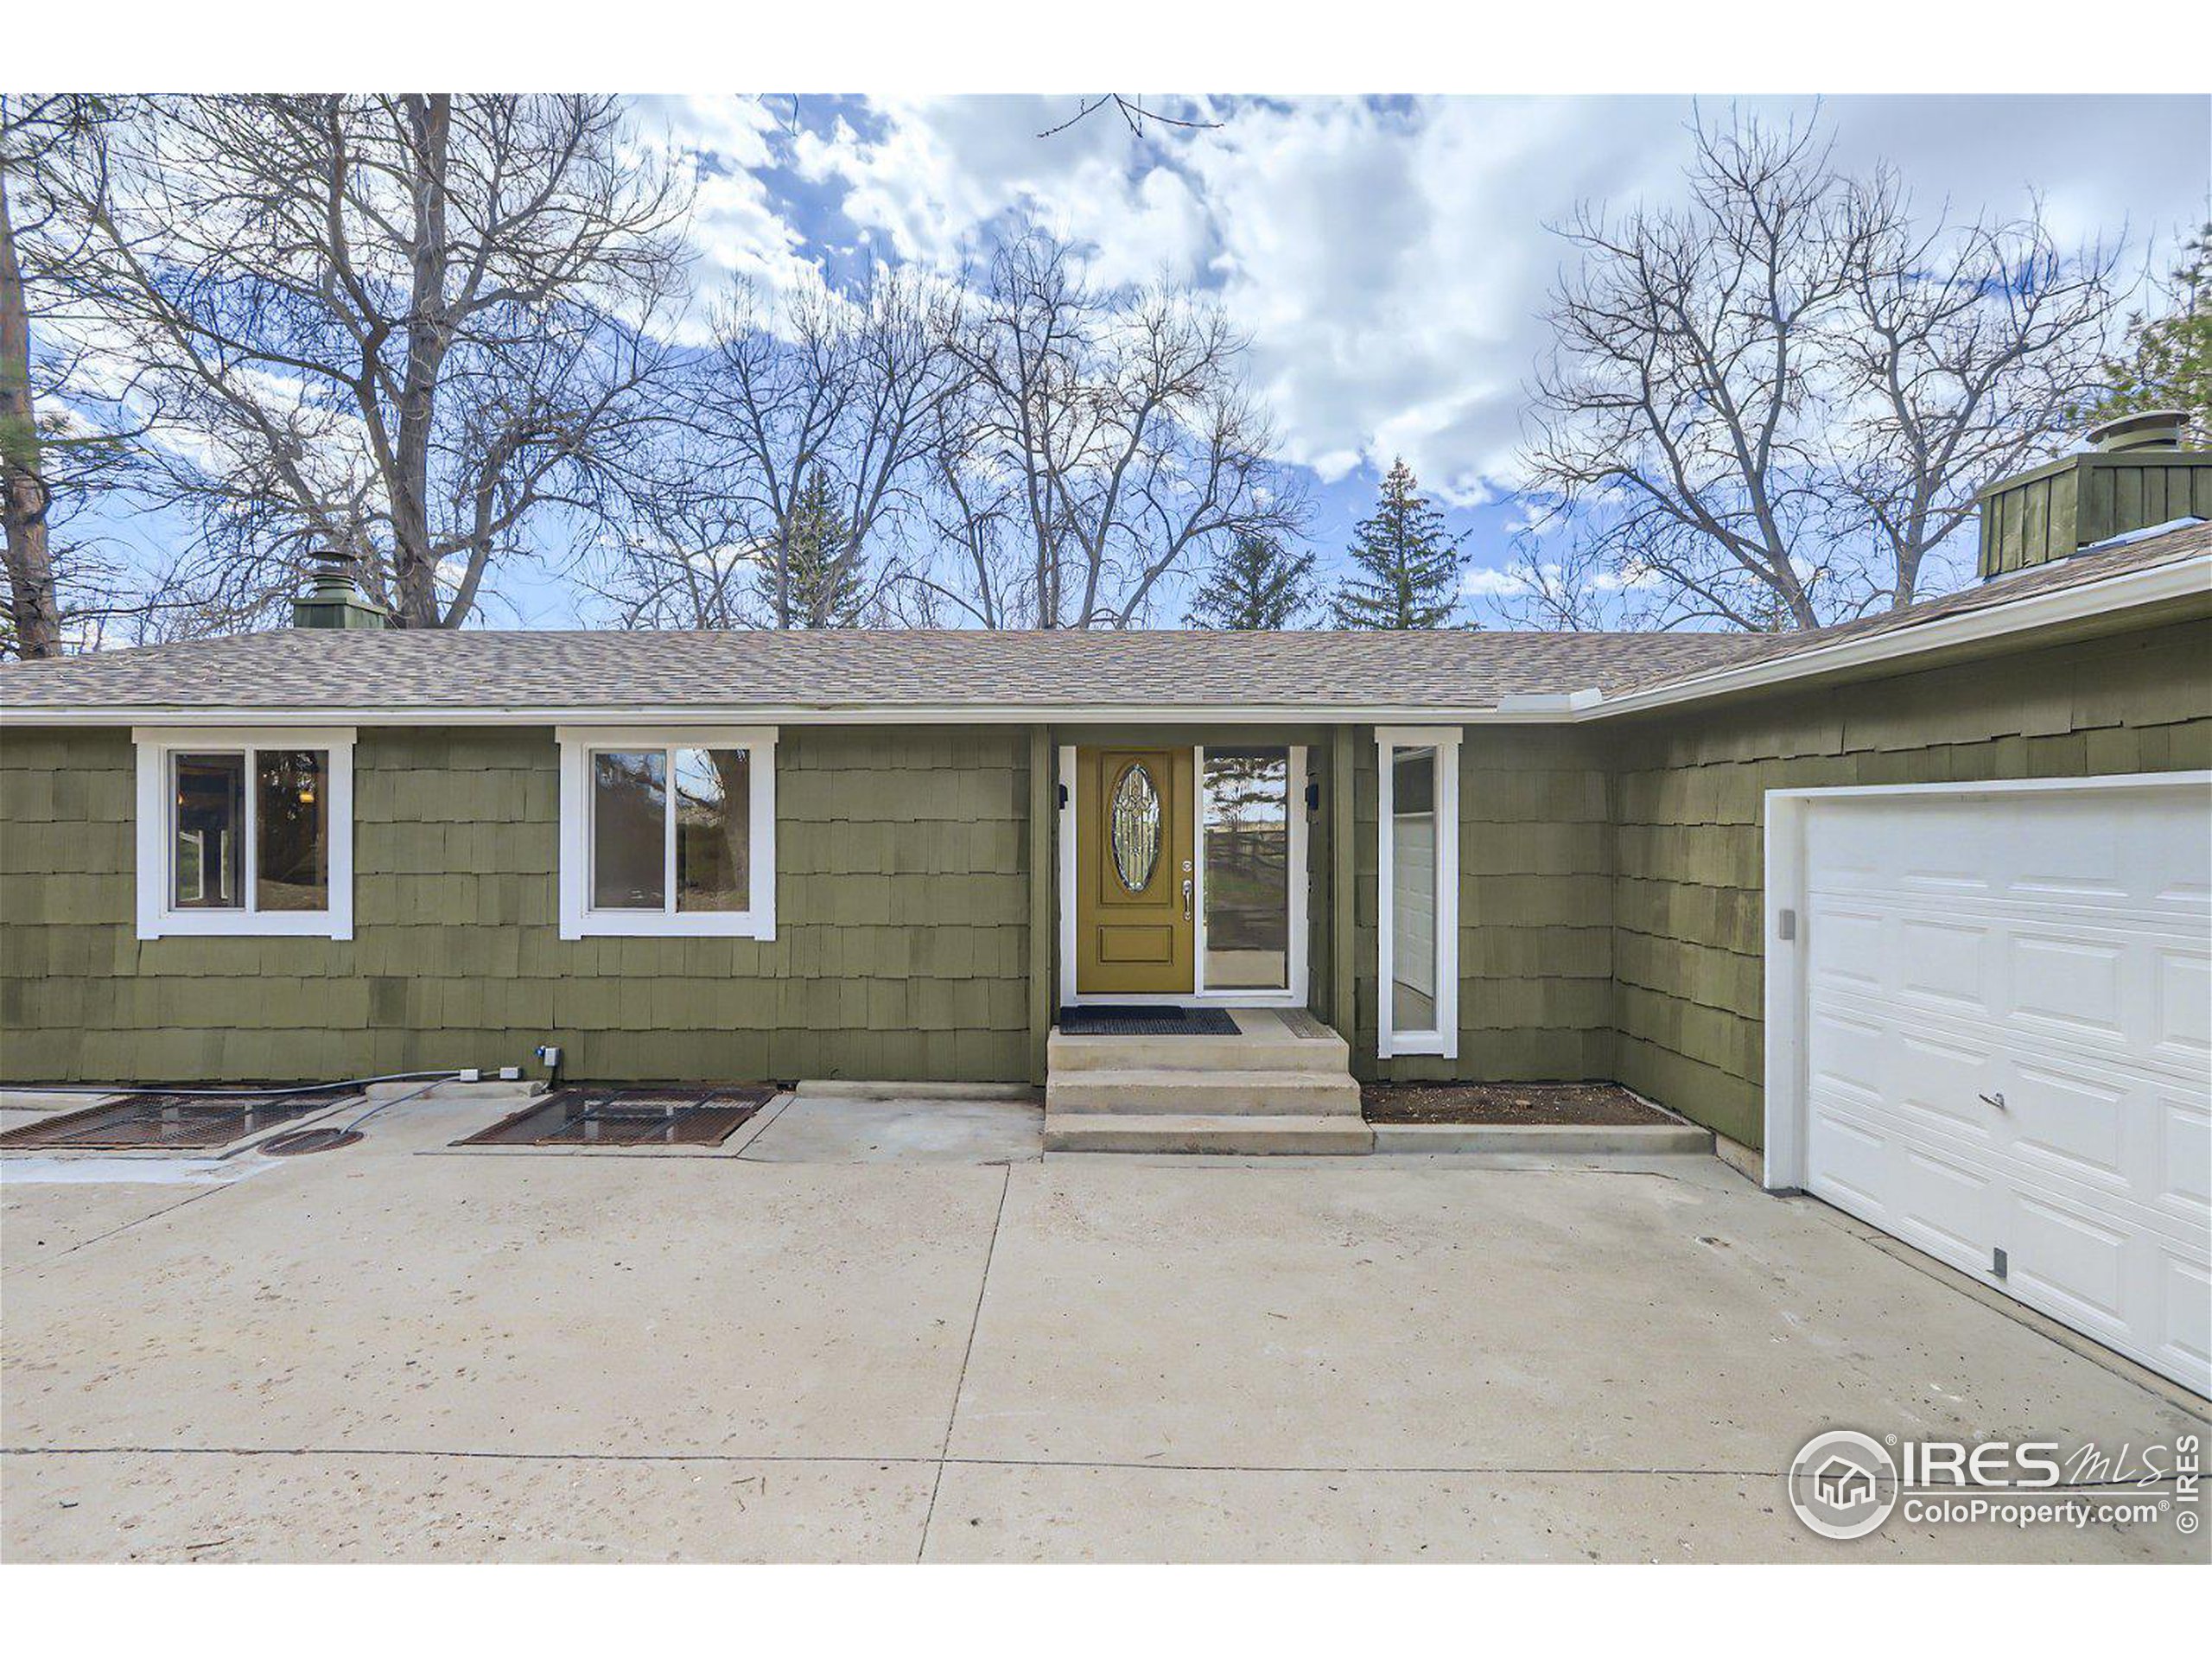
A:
(1589, 1103)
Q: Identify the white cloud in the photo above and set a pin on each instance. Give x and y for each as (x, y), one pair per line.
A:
(734, 224)
(1496, 584)
(1389, 259)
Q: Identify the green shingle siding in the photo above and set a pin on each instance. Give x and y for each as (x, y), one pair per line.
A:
(1535, 909)
(1609, 920)
(1689, 788)
(2065, 506)
(901, 947)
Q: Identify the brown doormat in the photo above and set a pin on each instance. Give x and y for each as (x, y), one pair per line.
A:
(615, 1118)
(1596, 1104)
(168, 1122)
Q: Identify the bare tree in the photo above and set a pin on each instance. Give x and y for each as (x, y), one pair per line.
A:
(57, 456)
(685, 559)
(1766, 410)
(33, 614)
(1130, 106)
(1111, 443)
(1961, 354)
(403, 328)
(823, 391)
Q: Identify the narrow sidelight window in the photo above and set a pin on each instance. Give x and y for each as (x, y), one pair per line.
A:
(1417, 856)
(1413, 891)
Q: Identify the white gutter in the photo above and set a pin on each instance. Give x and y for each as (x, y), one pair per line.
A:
(2111, 595)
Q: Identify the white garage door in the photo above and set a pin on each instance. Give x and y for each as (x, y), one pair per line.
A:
(2007, 1026)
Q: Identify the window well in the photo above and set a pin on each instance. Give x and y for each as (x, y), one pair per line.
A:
(626, 1117)
(168, 1122)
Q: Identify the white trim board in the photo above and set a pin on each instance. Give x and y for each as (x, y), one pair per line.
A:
(2109, 597)
(1783, 1008)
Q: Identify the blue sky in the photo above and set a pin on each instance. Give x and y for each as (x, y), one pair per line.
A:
(1388, 258)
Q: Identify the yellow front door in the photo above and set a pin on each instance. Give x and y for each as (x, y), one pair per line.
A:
(1134, 926)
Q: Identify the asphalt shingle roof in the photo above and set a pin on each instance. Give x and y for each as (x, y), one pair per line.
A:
(890, 669)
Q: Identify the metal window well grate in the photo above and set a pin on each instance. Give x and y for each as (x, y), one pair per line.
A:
(168, 1122)
(616, 1118)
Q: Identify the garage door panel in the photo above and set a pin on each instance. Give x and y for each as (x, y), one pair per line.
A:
(2069, 1256)
(2073, 1123)
(2182, 1174)
(1939, 1083)
(1848, 1056)
(1853, 1160)
(2073, 984)
(2053, 948)
(1946, 1208)
(2184, 1313)
(2183, 993)
(1945, 964)
(1847, 948)
(2062, 850)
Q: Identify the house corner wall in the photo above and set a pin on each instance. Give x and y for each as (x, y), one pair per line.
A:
(1689, 811)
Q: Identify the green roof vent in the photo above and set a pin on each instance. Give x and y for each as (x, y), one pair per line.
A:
(335, 599)
(2135, 476)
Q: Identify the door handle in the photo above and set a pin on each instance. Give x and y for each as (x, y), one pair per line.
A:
(1186, 898)
(1996, 1100)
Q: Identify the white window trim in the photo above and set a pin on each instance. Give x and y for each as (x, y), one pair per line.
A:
(579, 920)
(1444, 1039)
(156, 918)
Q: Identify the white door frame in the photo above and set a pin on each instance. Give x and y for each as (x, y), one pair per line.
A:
(1293, 997)
(1787, 1130)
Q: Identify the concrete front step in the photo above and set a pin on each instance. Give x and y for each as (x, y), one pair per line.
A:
(1197, 1131)
(1273, 1052)
(1132, 1092)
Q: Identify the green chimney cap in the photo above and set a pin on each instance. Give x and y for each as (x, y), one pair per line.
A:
(334, 599)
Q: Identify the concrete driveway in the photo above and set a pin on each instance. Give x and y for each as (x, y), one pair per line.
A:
(395, 1351)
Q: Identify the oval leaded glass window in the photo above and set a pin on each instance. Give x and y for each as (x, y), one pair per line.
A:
(1134, 814)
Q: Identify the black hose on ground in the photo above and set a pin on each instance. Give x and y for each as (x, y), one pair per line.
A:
(230, 1094)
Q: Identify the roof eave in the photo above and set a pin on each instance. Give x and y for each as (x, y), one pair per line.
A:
(2115, 597)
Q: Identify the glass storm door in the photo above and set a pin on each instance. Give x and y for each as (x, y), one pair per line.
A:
(1245, 844)
(1135, 881)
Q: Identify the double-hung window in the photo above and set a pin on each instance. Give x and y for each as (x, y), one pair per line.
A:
(245, 831)
(668, 831)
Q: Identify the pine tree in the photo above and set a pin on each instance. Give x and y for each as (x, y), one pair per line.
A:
(1408, 568)
(2168, 360)
(827, 587)
(1254, 583)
